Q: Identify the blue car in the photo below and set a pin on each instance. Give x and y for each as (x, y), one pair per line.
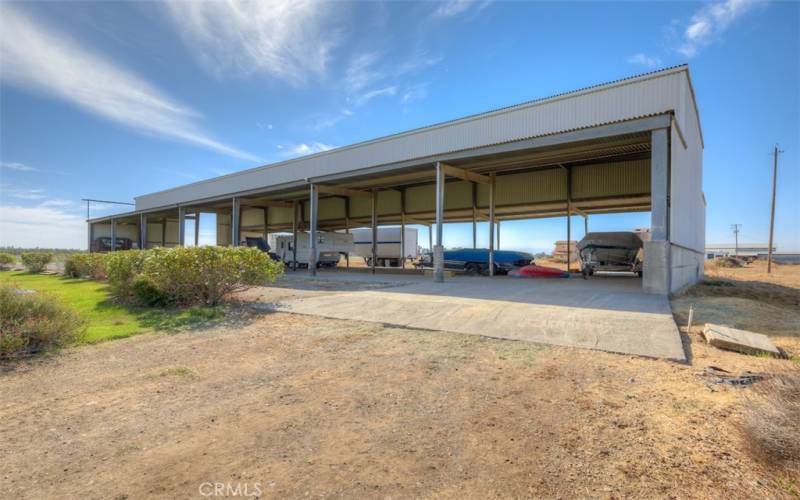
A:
(476, 260)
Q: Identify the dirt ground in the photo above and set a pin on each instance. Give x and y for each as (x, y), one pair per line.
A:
(295, 406)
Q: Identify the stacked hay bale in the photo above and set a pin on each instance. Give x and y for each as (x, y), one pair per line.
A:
(561, 248)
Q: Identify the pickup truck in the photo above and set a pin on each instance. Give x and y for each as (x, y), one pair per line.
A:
(476, 260)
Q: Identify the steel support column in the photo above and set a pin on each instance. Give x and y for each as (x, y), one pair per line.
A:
(498, 234)
(403, 228)
(438, 251)
(142, 231)
(312, 230)
(374, 251)
(236, 213)
(347, 227)
(266, 223)
(474, 215)
(90, 231)
(491, 223)
(113, 235)
(181, 226)
(197, 229)
(295, 206)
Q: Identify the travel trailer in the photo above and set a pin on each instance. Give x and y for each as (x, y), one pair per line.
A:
(388, 248)
(330, 247)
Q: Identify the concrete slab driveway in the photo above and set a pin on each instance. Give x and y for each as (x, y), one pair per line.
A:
(606, 313)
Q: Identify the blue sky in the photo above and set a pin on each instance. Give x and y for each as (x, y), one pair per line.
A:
(116, 99)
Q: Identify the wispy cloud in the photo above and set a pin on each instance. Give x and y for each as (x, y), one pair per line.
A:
(289, 40)
(23, 194)
(644, 60)
(39, 59)
(415, 93)
(709, 23)
(311, 148)
(362, 99)
(20, 167)
(451, 8)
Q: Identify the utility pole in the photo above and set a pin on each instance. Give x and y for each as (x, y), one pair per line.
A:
(736, 228)
(775, 153)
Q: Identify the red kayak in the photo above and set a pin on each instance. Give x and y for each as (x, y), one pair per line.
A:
(534, 271)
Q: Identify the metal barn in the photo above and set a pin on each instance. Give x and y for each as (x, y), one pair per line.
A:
(629, 145)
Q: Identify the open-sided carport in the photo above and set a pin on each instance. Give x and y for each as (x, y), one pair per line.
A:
(629, 145)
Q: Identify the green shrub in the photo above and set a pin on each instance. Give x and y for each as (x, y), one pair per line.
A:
(35, 262)
(85, 265)
(147, 293)
(36, 322)
(6, 260)
(121, 269)
(187, 276)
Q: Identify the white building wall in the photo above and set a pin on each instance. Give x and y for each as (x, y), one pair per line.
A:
(687, 204)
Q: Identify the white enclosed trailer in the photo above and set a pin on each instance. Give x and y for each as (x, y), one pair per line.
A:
(388, 247)
(330, 247)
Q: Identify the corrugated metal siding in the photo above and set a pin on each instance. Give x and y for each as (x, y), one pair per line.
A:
(531, 187)
(421, 199)
(611, 179)
(458, 195)
(280, 215)
(656, 93)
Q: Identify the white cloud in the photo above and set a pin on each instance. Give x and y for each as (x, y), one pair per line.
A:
(415, 93)
(709, 23)
(452, 8)
(362, 99)
(289, 40)
(37, 58)
(644, 60)
(308, 149)
(41, 226)
(21, 167)
(24, 194)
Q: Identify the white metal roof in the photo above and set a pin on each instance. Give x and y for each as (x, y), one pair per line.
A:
(663, 91)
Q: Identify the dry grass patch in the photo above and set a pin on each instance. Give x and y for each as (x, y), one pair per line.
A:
(771, 422)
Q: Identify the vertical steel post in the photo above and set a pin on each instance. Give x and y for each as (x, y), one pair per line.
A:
(585, 225)
(113, 235)
(474, 215)
(491, 223)
(142, 231)
(569, 218)
(181, 226)
(197, 228)
(164, 232)
(90, 231)
(312, 230)
(498, 234)
(403, 228)
(347, 227)
(295, 206)
(430, 241)
(374, 230)
(266, 223)
(236, 209)
(438, 251)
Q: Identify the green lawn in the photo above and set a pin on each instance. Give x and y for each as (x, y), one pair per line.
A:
(106, 320)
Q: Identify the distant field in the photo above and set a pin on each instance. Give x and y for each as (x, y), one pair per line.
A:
(107, 320)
